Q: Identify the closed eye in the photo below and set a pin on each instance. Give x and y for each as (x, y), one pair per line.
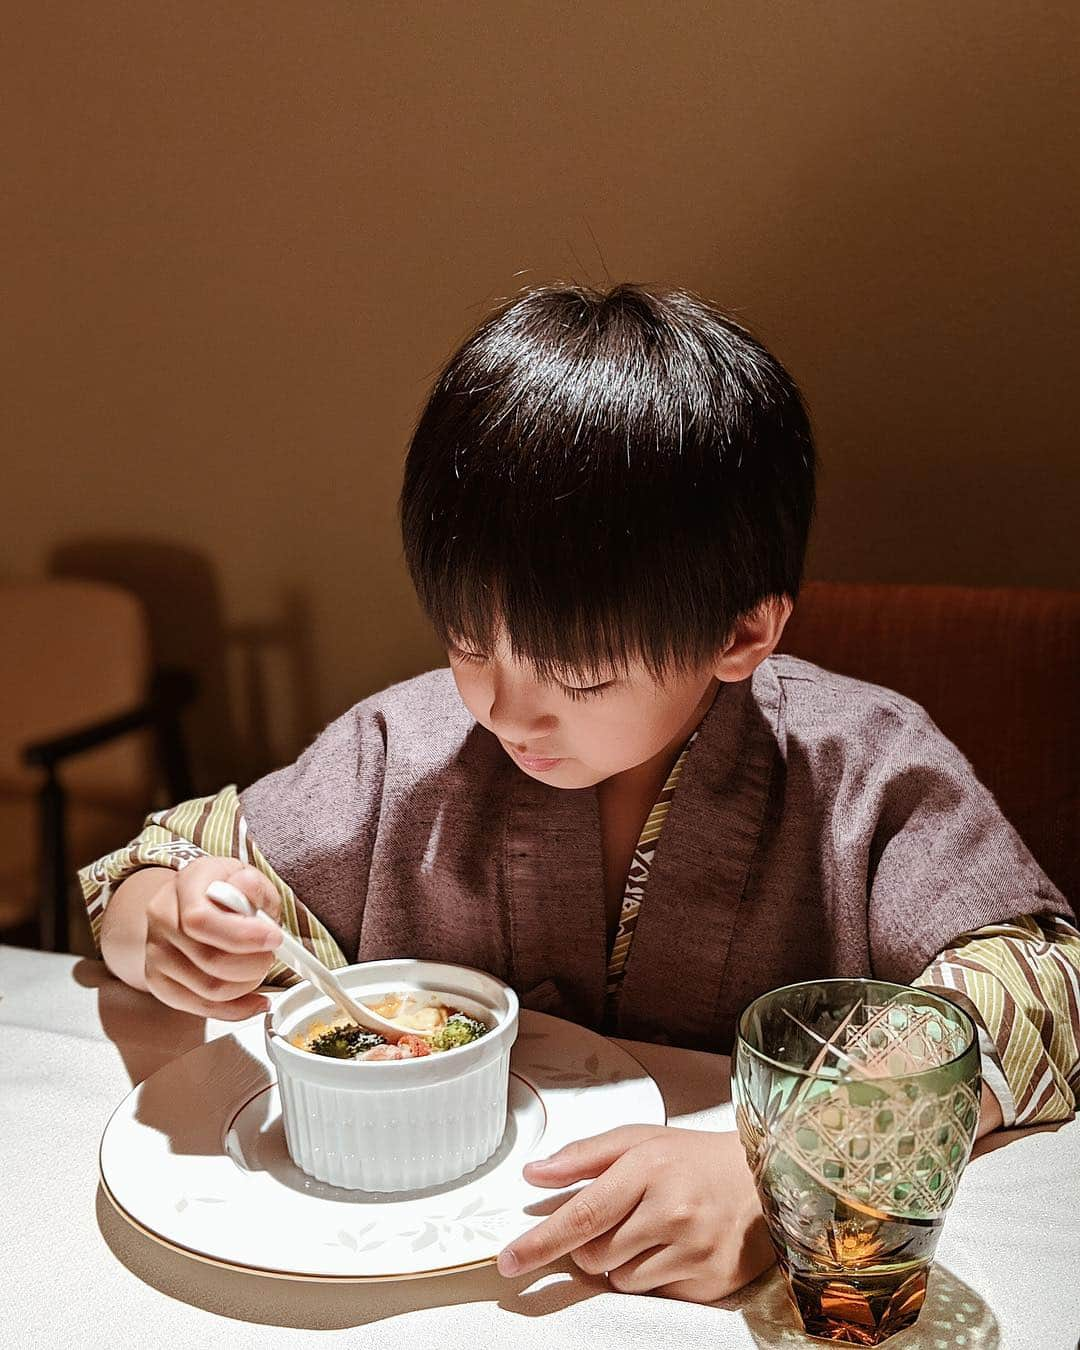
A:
(466, 658)
(577, 692)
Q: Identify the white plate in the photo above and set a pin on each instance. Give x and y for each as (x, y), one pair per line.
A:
(195, 1157)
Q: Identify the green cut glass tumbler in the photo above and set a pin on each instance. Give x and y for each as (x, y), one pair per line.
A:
(857, 1103)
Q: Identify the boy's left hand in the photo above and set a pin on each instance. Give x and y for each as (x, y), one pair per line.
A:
(671, 1212)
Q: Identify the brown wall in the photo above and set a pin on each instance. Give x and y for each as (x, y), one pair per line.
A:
(246, 235)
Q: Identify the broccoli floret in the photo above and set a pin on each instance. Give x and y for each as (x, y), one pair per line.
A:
(345, 1042)
(459, 1030)
(473, 1024)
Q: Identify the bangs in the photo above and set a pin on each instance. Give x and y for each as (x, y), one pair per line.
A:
(606, 479)
(584, 590)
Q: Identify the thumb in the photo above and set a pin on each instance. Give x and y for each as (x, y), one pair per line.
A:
(587, 1158)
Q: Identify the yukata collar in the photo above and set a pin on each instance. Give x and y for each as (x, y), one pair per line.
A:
(554, 889)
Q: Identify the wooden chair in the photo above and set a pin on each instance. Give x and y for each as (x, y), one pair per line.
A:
(89, 734)
(999, 672)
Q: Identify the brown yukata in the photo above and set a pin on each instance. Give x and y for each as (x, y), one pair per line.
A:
(822, 827)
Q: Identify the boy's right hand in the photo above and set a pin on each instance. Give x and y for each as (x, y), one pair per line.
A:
(201, 958)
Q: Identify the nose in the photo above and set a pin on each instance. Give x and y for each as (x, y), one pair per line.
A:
(517, 714)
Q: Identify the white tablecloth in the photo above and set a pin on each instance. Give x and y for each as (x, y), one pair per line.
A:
(73, 1041)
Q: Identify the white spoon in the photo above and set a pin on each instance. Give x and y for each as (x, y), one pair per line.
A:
(295, 955)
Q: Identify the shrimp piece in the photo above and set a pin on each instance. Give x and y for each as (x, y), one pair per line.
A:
(380, 1052)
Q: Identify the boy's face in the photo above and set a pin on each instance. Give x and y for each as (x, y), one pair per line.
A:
(572, 736)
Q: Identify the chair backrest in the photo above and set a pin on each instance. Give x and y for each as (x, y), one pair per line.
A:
(999, 672)
(75, 652)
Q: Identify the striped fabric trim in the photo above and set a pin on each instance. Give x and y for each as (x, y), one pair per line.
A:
(206, 826)
(1021, 980)
(636, 879)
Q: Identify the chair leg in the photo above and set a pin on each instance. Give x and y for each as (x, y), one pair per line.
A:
(172, 691)
(53, 917)
(173, 756)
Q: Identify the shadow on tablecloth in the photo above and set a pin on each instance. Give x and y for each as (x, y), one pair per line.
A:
(146, 1044)
(953, 1316)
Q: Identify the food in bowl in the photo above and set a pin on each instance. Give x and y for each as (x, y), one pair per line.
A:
(411, 1121)
(434, 1026)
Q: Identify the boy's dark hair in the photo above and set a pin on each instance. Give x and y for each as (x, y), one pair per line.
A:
(607, 475)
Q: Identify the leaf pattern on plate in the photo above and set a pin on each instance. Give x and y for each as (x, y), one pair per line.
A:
(447, 1231)
(428, 1234)
(351, 1241)
(184, 1202)
(575, 1078)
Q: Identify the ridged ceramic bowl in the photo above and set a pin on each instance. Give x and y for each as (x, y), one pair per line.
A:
(397, 1125)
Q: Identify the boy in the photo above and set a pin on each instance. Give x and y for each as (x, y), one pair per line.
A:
(629, 808)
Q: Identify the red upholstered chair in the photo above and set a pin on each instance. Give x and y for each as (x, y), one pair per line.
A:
(999, 672)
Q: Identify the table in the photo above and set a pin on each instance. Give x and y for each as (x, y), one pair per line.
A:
(73, 1040)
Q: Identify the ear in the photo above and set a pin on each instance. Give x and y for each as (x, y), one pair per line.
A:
(753, 638)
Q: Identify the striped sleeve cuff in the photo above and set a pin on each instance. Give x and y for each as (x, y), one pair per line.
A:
(994, 1076)
(1021, 982)
(205, 826)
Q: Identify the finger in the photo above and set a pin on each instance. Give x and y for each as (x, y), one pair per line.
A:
(658, 1266)
(700, 1273)
(171, 962)
(203, 921)
(639, 1274)
(247, 968)
(177, 996)
(586, 1158)
(586, 1215)
(616, 1247)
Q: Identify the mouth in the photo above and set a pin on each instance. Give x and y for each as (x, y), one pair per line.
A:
(534, 763)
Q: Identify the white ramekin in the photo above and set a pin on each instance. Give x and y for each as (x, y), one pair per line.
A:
(396, 1125)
